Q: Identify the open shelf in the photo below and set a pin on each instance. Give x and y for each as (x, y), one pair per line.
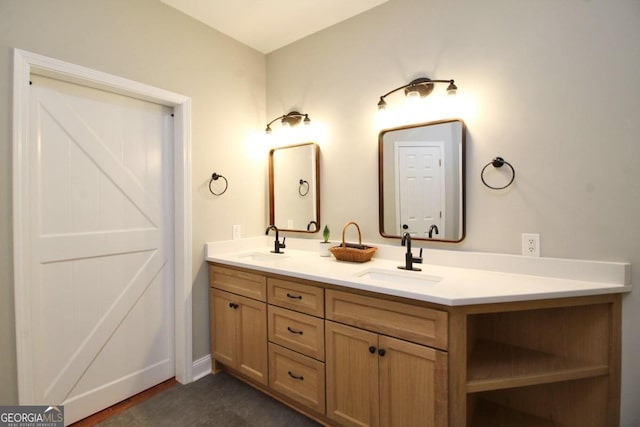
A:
(489, 414)
(581, 402)
(538, 364)
(495, 365)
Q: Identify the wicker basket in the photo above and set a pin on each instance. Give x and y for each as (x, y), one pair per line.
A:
(351, 252)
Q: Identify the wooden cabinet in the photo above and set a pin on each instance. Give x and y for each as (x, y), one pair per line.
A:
(353, 358)
(238, 324)
(413, 384)
(223, 330)
(553, 363)
(375, 380)
(296, 342)
(352, 375)
(380, 371)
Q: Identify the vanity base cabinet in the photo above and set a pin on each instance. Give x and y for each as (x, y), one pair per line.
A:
(355, 358)
(386, 362)
(375, 380)
(238, 320)
(296, 342)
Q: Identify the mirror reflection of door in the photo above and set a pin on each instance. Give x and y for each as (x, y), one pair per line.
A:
(422, 180)
(419, 187)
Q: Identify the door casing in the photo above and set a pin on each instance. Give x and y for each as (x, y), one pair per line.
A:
(24, 65)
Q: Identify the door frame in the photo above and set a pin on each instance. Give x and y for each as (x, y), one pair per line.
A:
(24, 65)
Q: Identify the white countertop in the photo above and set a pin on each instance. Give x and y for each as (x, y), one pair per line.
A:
(463, 277)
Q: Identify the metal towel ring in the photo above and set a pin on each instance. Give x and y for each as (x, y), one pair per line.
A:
(215, 177)
(301, 188)
(498, 162)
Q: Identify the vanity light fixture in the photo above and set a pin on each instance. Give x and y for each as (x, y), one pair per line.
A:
(420, 87)
(291, 119)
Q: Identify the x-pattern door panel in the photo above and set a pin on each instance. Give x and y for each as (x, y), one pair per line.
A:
(100, 221)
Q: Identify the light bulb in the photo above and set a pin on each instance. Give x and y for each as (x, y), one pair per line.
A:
(413, 94)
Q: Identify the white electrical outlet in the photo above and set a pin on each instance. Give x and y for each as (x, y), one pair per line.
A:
(236, 233)
(530, 244)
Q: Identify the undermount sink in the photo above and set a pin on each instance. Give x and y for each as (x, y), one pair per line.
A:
(262, 256)
(398, 277)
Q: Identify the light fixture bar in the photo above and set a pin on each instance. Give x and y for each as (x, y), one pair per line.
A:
(423, 86)
(292, 118)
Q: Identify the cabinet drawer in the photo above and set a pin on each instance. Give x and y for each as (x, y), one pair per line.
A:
(296, 376)
(304, 298)
(405, 321)
(239, 282)
(297, 331)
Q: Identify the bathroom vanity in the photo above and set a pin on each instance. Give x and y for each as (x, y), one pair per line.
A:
(362, 344)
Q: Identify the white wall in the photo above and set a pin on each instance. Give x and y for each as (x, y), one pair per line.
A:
(556, 90)
(147, 41)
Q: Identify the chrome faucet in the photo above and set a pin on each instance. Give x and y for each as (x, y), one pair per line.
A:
(276, 244)
(432, 229)
(409, 259)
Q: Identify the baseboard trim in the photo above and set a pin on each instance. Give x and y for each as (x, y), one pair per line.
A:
(201, 367)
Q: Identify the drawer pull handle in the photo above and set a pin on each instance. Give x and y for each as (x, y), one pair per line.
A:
(295, 377)
(233, 305)
(382, 352)
(372, 349)
(294, 331)
(294, 296)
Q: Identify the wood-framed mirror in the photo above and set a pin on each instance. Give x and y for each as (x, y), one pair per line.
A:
(421, 174)
(294, 188)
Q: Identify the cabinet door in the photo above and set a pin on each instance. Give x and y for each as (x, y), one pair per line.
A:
(413, 384)
(252, 339)
(352, 375)
(239, 333)
(223, 327)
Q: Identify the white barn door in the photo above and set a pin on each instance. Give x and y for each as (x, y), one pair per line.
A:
(101, 248)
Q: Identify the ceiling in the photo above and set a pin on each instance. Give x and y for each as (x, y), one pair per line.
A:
(267, 25)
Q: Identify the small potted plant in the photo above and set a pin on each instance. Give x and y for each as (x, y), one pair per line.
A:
(324, 246)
